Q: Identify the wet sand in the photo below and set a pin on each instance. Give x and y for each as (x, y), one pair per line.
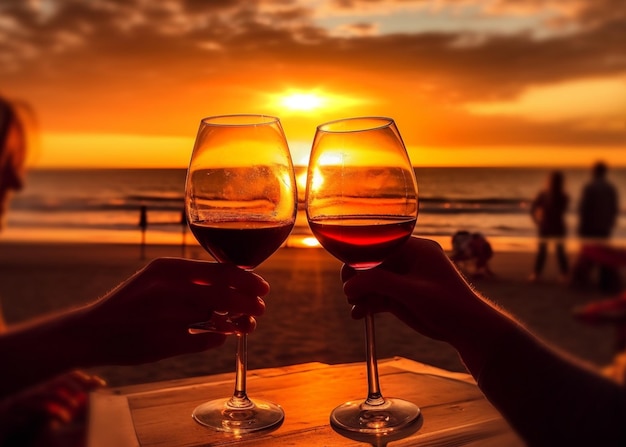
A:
(307, 317)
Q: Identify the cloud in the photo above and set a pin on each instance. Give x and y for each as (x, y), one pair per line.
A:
(602, 98)
(581, 12)
(136, 57)
(184, 31)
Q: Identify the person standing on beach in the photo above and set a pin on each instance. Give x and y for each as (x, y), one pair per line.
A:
(598, 207)
(12, 160)
(548, 212)
(12, 154)
(548, 397)
(597, 215)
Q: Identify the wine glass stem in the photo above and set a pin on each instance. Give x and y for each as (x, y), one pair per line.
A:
(374, 396)
(240, 397)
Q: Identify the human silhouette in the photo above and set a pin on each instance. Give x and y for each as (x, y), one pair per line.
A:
(597, 215)
(548, 397)
(12, 153)
(143, 225)
(548, 212)
(467, 247)
(598, 205)
(43, 392)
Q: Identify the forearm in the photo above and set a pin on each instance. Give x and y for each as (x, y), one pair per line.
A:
(42, 349)
(549, 398)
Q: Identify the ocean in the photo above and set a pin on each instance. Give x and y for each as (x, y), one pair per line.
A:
(102, 205)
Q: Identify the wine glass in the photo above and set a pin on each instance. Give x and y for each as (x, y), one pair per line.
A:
(241, 204)
(361, 204)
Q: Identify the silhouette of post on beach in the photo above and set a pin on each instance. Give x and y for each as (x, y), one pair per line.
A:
(183, 223)
(143, 225)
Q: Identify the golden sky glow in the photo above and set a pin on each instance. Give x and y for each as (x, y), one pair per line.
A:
(581, 100)
(479, 83)
(302, 101)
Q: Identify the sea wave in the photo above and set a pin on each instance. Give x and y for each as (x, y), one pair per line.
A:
(494, 202)
(491, 205)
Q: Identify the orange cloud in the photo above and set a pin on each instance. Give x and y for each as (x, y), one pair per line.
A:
(135, 68)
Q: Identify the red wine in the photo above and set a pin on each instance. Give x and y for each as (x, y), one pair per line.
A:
(362, 242)
(245, 244)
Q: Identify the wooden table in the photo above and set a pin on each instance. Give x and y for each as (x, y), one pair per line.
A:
(455, 413)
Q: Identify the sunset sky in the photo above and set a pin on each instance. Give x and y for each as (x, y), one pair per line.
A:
(469, 82)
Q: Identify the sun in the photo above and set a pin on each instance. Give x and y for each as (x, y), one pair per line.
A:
(302, 101)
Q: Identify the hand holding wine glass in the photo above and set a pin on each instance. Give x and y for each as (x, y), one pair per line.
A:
(241, 202)
(361, 204)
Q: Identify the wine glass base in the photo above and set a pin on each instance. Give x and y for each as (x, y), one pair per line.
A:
(220, 415)
(395, 415)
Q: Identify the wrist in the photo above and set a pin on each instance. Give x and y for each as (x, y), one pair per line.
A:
(77, 332)
(485, 334)
(41, 349)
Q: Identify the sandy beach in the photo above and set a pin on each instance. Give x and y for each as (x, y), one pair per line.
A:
(307, 317)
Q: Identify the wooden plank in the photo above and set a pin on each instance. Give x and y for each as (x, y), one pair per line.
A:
(423, 368)
(454, 410)
(118, 416)
(199, 380)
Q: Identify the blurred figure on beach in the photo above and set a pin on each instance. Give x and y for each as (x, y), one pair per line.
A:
(12, 162)
(598, 206)
(548, 397)
(472, 248)
(597, 215)
(548, 213)
(12, 153)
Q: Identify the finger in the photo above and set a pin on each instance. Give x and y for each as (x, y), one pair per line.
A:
(361, 310)
(70, 398)
(232, 301)
(358, 312)
(206, 273)
(244, 324)
(347, 272)
(385, 283)
(80, 380)
(414, 254)
(203, 342)
(359, 286)
(203, 300)
(228, 275)
(58, 412)
(224, 324)
(374, 304)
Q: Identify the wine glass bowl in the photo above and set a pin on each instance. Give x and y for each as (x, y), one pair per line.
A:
(241, 203)
(361, 197)
(361, 204)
